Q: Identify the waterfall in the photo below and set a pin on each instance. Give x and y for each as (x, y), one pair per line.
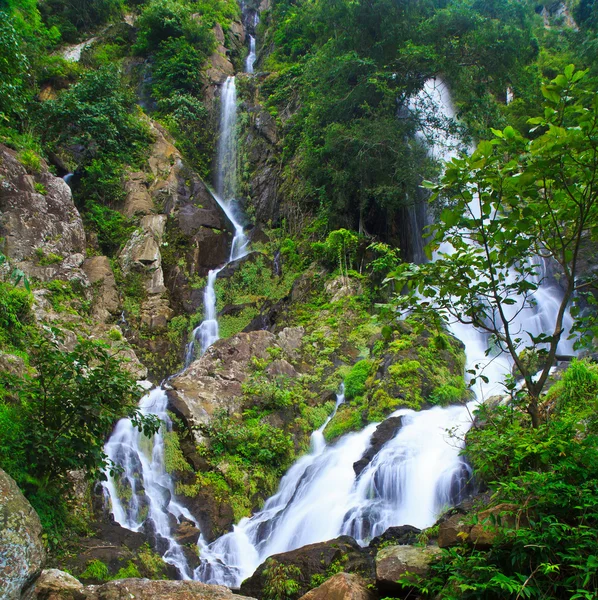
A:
(250, 60)
(413, 477)
(206, 333)
(141, 497)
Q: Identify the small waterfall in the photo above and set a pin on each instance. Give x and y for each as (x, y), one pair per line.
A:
(250, 60)
(206, 333)
(141, 497)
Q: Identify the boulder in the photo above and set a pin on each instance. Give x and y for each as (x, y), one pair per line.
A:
(342, 586)
(214, 381)
(490, 523)
(138, 200)
(30, 218)
(384, 432)
(397, 536)
(53, 584)
(290, 340)
(303, 564)
(22, 553)
(146, 589)
(394, 561)
(105, 297)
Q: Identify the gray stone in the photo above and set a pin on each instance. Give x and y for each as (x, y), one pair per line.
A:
(395, 561)
(22, 553)
(342, 586)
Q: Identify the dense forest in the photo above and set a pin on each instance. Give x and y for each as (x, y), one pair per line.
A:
(382, 216)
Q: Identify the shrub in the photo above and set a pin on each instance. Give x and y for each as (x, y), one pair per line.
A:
(356, 378)
(30, 160)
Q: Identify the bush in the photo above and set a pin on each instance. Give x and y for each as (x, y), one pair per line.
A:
(356, 378)
(162, 20)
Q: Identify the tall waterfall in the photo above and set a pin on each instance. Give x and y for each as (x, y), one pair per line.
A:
(412, 478)
(206, 333)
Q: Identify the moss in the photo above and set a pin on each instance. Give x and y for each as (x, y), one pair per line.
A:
(173, 456)
(150, 564)
(355, 381)
(232, 324)
(130, 570)
(348, 418)
(95, 570)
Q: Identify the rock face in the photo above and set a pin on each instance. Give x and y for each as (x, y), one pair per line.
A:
(36, 216)
(57, 585)
(342, 586)
(395, 561)
(303, 564)
(214, 381)
(22, 553)
(398, 536)
(105, 297)
(384, 432)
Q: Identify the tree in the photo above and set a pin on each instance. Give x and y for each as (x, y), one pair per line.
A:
(515, 202)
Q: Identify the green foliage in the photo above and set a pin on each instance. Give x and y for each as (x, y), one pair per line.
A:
(280, 580)
(537, 198)
(97, 113)
(15, 315)
(173, 457)
(355, 379)
(30, 160)
(112, 228)
(95, 570)
(73, 16)
(163, 20)
(550, 472)
(14, 69)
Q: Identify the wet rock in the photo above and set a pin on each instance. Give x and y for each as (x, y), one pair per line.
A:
(398, 536)
(315, 559)
(395, 561)
(342, 586)
(186, 533)
(22, 553)
(105, 297)
(385, 432)
(145, 589)
(53, 584)
(30, 219)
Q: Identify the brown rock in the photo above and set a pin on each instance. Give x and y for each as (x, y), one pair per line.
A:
(22, 553)
(53, 584)
(145, 589)
(492, 520)
(453, 531)
(281, 367)
(138, 200)
(155, 313)
(214, 381)
(395, 561)
(315, 559)
(105, 298)
(342, 586)
(187, 533)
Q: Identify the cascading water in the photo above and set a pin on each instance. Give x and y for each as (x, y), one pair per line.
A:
(144, 479)
(250, 60)
(145, 482)
(411, 479)
(206, 333)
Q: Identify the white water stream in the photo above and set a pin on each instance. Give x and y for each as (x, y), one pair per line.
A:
(250, 60)
(411, 479)
(206, 333)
